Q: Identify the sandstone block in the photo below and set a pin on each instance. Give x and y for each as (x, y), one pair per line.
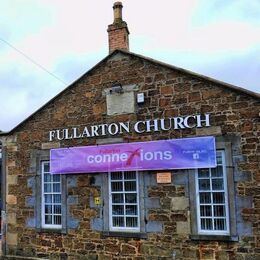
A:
(128, 249)
(11, 199)
(206, 108)
(148, 80)
(210, 93)
(179, 203)
(98, 109)
(11, 239)
(182, 87)
(47, 146)
(11, 164)
(194, 96)
(212, 130)
(183, 228)
(161, 251)
(11, 218)
(159, 77)
(171, 112)
(12, 148)
(165, 102)
(90, 94)
(119, 103)
(166, 90)
(12, 179)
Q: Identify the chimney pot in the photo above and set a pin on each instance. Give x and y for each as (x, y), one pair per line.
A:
(117, 12)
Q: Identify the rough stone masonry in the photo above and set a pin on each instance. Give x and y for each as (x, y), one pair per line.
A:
(168, 212)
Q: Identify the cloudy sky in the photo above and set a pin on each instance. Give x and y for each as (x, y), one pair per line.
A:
(47, 44)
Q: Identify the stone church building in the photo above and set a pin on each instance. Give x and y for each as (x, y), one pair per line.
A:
(135, 160)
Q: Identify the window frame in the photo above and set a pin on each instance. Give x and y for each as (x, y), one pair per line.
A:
(226, 202)
(43, 225)
(124, 229)
(222, 143)
(105, 229)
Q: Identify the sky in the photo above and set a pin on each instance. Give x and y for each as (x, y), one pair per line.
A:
(45, 45)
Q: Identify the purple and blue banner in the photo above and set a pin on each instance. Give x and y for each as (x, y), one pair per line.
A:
(187, 153)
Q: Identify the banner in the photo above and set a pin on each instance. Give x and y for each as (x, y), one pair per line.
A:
(187, 153)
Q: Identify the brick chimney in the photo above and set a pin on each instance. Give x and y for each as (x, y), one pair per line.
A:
(118, 31)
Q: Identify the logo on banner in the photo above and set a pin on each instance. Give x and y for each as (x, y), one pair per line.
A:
(128, 156)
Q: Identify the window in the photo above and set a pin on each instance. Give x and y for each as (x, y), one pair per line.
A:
(212, 198)
(124, 201)
(51, 198)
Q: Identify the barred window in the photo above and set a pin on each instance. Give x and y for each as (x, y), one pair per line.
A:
(212, 200)
(124, 201)
(51, 198)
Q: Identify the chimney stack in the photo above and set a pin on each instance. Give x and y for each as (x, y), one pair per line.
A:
(118, 31)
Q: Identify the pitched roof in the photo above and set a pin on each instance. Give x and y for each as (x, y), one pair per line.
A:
(156, 62)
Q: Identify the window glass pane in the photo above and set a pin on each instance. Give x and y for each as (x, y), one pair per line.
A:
(219, 158)
(218, 197)
(46, 167)
(48, 198)
(203, 173)
(205, 211)
(117, 186)
(48, 219)
(57, 219)
(56, 187)
(117, 198)
(118, 210)
(56, 177)
(57, 198)
(130, 198)
(130, 175)
(47, 187)
(118, 221)
(48, 209)
(57, 209)
(217, 184)
(219, 211)
(116, 176)
(205, 197)
(131, 221)
(131, 210)
(206, 223)
(47, 177)
(217, 172)
(204, 184)
(130, 186)
(220, 224)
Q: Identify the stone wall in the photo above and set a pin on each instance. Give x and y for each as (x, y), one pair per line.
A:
(168, 93)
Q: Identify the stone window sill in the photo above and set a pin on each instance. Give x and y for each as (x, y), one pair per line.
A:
(214, 238)
(124, 234)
